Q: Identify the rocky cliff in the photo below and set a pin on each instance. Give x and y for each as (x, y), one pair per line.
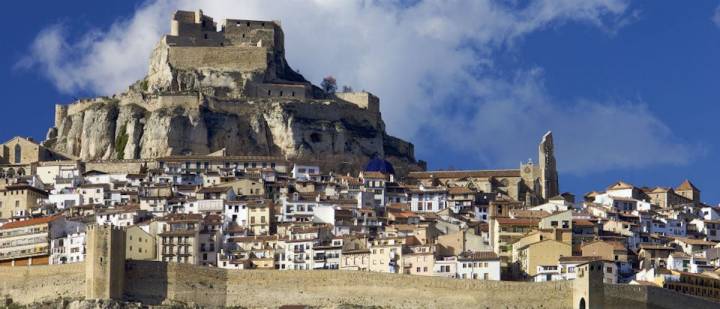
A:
(232, 94)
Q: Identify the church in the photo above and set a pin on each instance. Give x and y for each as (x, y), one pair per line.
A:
(532, 184)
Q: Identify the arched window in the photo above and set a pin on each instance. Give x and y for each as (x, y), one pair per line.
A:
(18, 153)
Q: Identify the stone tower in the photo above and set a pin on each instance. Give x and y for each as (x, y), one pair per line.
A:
(588, 290)
(61, 112)
(105, 262)
(689, 191)
(548, 168)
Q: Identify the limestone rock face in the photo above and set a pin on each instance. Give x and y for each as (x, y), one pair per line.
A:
(235, 94)
(326, 131)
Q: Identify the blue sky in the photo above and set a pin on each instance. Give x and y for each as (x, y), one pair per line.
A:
(630, 88)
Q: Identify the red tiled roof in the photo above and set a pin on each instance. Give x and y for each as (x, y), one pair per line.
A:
(519, 221)
(24, 223)
(478, 256)
(462, 174)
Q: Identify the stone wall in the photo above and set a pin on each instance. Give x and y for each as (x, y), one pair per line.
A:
(120, 166)
(639, 296)
(28, 284)
(236, 58)
(154, 282)
(327, 288)
(364, 100)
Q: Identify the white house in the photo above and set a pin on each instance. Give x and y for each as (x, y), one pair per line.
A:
(68, 249)
(428, 199)
(478, 266)
(305, 172)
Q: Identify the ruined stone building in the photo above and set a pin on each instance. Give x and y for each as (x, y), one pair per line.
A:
(227, 88)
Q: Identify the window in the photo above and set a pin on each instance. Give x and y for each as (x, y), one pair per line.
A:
(18, 153)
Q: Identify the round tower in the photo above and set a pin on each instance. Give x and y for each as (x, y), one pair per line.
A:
(61, 112)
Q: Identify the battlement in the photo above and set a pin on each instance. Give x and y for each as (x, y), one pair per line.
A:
(363, 99)
(196, 29)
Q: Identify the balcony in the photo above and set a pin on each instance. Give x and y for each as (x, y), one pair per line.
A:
(41, 250)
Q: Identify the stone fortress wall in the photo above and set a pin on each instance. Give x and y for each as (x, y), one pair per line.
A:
(29, 284)
(243, 46)
(234, 58)
(154, 282)
(102, 276)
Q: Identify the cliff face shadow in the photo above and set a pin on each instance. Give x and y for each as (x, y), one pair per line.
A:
(146, 282)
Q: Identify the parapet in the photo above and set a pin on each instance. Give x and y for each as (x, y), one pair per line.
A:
(363, 99)
(196, 29)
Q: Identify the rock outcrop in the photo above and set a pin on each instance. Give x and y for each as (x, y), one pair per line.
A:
(232, 89)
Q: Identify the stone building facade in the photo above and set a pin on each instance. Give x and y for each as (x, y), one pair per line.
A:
(532, 183)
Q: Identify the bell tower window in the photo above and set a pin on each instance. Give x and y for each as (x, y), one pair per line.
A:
(18, 153)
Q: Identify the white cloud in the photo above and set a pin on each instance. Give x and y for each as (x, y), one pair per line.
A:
(716, 16)
(430, 62)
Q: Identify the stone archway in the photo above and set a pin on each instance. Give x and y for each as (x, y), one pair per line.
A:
(582, 303)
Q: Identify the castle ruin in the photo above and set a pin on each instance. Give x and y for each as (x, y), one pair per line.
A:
(211, 87)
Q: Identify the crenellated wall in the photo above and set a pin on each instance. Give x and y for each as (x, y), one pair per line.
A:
(27, 284)
(154, 282)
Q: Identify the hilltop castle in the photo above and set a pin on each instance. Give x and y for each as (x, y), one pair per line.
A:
(230, 88)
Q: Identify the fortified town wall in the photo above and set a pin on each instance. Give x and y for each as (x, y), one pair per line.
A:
(154, 282)
(27, 284)
(106, 274)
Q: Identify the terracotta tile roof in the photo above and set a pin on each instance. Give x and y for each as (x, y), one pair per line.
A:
(655, 247)
(24, 187)
(478, 256)
(693, 241)
(687, 185)
(680, 255)
(523, 213)
(519, 221)
(620, 185)
(219, 189)
(463, 174)
(460, 190)
(583, 223)
(616, 245)
(182, 217)
(24, 223)
(578, 258)
(253, 238)
(374, 175)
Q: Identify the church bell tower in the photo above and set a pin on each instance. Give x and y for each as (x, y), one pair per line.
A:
(548, 168)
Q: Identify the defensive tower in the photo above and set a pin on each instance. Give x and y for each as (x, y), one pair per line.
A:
(105, 262)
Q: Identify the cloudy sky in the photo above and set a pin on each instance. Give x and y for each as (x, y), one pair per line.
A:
(630, 89)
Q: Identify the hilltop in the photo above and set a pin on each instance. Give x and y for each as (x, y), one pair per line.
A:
(227, 90)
